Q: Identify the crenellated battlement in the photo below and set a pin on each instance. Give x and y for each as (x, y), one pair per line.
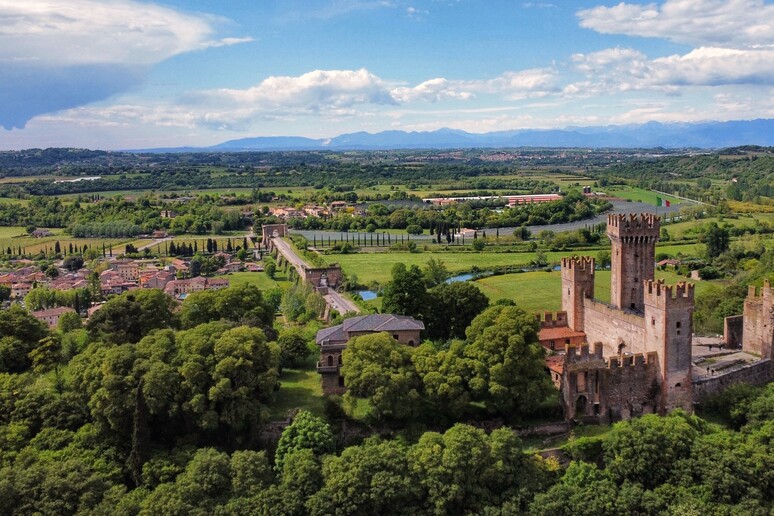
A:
(658, 294)
(636, 360)
(581, 353)
(634, 229)
(764, 292)
(551, 319)
(578, 267)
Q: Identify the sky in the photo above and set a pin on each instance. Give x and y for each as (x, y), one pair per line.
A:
(130, 74)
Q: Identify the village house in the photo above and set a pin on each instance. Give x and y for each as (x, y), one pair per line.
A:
(333, 341)
(19, 290)
(168, 214)
(181, 288)
(52, 315)
(128, 270)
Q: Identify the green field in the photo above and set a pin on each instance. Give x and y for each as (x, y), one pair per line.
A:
(537, 291)
(638, 194)
(370, 267)
(259, 279)
(299, 388)
(681, 229)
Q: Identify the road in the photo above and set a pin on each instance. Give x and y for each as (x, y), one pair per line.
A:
(339, 303)
(335, 300)
(618, 207)
(290, 255)
(155, 242)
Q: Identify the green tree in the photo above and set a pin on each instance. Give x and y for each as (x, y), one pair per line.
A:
(20, 333)
(306, 432)
(294, 346)
(405, 293)
(435, 272)
(131, 316)
(455, 305)
(271, 270)
(373, 478)
(507, 360)
(603, 258)
(717, 240)
(379, 369)
(69, 321)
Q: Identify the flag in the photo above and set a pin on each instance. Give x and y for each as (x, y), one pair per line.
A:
(658, 201)
(667, 203)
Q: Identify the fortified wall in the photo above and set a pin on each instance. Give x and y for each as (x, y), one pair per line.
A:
(758, 317)
(609, 389)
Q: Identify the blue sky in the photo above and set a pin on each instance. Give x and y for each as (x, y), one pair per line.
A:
(115, 74)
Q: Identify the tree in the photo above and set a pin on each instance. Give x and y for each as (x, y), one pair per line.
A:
(717, 240)
(379, 369)
(455, 305)
(507, 361)
(603, 258)
(373, 478)
(20, 333)
(271, 270)
(72, 263)
(294, 346)
(414, 229)
(479, 244)
(131, 316)
(69, 321)
(405, 294)
(522, 233)
(435, 272)
(306, 432)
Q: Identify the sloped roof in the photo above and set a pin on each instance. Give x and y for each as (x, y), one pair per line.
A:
(373, 323)
(558, 332)
(382, 322)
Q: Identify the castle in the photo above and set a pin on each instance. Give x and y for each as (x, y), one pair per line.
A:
(642, 359)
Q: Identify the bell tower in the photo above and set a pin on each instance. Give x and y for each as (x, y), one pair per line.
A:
(632, 256)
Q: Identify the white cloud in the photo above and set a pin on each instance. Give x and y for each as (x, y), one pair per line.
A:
(710, 23)
(59, 54)
(620, 69)
(85, 32)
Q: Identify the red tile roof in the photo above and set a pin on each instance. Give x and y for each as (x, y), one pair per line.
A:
(558, 333)
(555, 363)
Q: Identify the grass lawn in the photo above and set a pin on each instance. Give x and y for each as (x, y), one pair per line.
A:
(535, 444)
(259, 279)
(299, 388)
(538, 291)
(12, 231)
(681, 229)
(638, 194)
(369, 267)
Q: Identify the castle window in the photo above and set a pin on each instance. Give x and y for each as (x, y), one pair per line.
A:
(653, 321)
(677, 324)
(341, 381)
(395, 336)
(340, 360)
(552, 345)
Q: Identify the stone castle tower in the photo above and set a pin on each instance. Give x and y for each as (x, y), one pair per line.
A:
(758, 333)
(645, 318)
(668, 332)
(632, 256)
(577, 285)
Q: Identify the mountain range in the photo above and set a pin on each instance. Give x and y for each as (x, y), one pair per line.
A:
(706, 135)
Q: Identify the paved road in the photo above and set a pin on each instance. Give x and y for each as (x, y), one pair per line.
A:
(335, 300)
(155, 242)
(340, 303)
(287, 251)
(618, 207)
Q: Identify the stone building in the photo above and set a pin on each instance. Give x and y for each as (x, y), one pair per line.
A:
(642, 339)
(758, 321)
(333, 341)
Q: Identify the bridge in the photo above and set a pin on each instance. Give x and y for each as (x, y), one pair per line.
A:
(324, 280)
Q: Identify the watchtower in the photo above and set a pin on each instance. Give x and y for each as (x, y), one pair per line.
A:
(633, 255)
(577, 285)
(758, 321)
(668, 331)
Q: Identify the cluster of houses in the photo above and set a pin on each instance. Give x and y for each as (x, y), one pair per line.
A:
(121, 275)
(288, 212)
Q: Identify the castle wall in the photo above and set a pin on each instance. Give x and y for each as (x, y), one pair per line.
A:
(632, 387)
(733, 331)
(758, 325)
(757, 373)
(612, 327)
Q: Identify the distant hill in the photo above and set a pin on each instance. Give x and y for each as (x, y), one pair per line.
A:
(709, 135)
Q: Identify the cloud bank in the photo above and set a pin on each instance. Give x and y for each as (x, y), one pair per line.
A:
(57, 54)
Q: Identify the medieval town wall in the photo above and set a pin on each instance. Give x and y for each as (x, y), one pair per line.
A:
(733, 331)
(610, 327)
(758, 325)
(632, 386)
(757, 373)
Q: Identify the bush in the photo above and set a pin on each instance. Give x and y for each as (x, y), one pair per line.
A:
(588, 449)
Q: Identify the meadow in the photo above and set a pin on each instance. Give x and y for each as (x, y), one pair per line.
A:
(638, 194)
(377, 267)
